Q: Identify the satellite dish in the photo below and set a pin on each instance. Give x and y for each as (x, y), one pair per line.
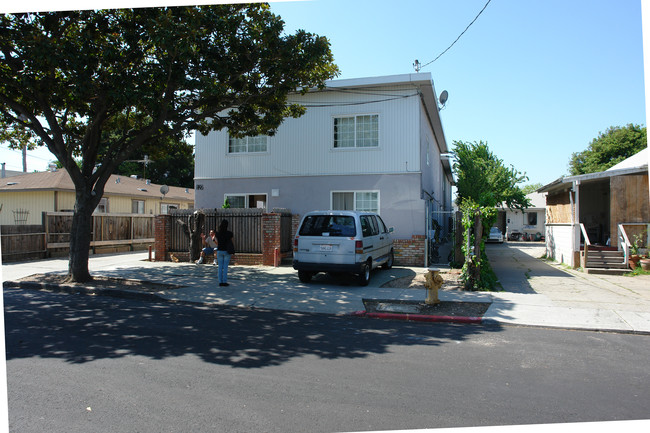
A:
(443, 97)
(164, 189)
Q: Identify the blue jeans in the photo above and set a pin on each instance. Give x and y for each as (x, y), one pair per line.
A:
(223, 259)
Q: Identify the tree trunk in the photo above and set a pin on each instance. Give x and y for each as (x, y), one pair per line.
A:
(197, 221)
(80, 243)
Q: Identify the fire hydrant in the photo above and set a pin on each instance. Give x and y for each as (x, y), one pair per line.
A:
(433, 283)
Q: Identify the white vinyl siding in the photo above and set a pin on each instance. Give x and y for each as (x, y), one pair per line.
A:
(305, 146)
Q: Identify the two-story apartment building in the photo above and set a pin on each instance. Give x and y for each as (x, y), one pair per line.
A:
(363, 144)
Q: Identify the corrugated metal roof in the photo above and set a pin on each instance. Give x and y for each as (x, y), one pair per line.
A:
(117, 185)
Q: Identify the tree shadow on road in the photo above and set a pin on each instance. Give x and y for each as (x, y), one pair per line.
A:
(82, 328)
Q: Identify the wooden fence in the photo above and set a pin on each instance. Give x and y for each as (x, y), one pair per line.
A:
(22, 242)
(110, 233)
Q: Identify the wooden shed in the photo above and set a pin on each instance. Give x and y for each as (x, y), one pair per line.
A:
(597, 214)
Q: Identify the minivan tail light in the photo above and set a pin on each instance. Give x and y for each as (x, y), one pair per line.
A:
(358, 247)
(295, 245)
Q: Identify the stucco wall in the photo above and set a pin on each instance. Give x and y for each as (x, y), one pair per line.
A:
(400, 205)
(559, 244)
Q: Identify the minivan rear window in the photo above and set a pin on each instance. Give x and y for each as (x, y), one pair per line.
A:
(328, 225)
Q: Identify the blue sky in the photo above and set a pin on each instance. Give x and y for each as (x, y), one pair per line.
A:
(536, 79)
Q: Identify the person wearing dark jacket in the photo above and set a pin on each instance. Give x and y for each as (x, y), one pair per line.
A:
(225, 249)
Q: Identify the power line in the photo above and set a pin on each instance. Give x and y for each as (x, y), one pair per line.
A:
(459, 36)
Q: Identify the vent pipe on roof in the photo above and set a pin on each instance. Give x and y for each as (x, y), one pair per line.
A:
(4, 171)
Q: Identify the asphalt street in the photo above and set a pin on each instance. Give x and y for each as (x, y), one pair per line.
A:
(79, 363)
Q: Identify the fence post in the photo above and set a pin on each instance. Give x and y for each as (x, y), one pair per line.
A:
(271, 237)
(161, 230)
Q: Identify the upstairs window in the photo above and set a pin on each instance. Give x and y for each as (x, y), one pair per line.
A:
(356, 131)
(257, 144)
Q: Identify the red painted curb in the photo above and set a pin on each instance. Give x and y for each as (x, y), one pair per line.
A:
(419, 317)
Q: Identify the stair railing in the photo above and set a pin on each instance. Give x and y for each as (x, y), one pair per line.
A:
(623, 243)
(587, 245)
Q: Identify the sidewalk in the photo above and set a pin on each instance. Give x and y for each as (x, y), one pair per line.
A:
(535, 293)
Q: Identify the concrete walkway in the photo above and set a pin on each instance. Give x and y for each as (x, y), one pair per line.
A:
(535, 293)
(541, 293)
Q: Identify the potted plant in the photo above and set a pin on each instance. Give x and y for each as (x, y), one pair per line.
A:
(645, 263)
(634, 259)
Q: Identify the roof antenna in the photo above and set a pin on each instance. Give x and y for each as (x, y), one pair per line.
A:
(417, 65)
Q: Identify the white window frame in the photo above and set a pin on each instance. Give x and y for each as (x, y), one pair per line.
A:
(102, 207)
(354, 199)
(247, 198)
(356, 139)
(140, 204)
(166, 207)
(527, 219)
(247, 151)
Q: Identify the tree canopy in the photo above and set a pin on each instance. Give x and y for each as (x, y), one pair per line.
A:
(483, 178)
(616, 144)
(95, 86)
(483, 184)
(527, 189)
(168, 162)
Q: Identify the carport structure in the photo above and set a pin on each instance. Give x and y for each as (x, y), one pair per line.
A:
(591, 219)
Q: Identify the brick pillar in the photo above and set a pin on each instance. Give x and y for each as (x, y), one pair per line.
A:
(271, 238)
(162, 228)
(295, 222)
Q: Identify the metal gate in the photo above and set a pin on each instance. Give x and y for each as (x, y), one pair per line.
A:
(441, 227)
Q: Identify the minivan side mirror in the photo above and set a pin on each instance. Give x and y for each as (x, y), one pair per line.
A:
(391, 229)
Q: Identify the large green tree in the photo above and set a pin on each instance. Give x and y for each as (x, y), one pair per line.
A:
(616, 144)
(167, 162)
(483, 177)
(483, 183)
(95, 86)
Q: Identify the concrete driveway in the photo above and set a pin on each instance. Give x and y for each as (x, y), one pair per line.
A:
(546, 292)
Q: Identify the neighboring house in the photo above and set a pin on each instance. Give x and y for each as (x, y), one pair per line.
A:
(515, 223)
(24, 197)
(603, 210)
(363, 144)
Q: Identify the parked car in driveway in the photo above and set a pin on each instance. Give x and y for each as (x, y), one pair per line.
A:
(342, 241)
(495, 235)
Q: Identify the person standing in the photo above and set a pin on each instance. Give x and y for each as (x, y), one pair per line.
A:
(225, 249)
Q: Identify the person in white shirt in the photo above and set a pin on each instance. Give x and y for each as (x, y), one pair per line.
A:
(210, 243)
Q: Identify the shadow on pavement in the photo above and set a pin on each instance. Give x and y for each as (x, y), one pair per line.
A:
(80, 329)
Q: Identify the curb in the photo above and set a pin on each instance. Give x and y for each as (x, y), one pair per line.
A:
(419, 317)
(73, 290)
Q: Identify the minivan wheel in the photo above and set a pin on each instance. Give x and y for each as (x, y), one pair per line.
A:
(364, 276)
(305, 276)
(389, 262)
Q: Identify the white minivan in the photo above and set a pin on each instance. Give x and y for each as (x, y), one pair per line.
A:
(342, 241)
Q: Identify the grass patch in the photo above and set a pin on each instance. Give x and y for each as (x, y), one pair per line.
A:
(637, 271)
